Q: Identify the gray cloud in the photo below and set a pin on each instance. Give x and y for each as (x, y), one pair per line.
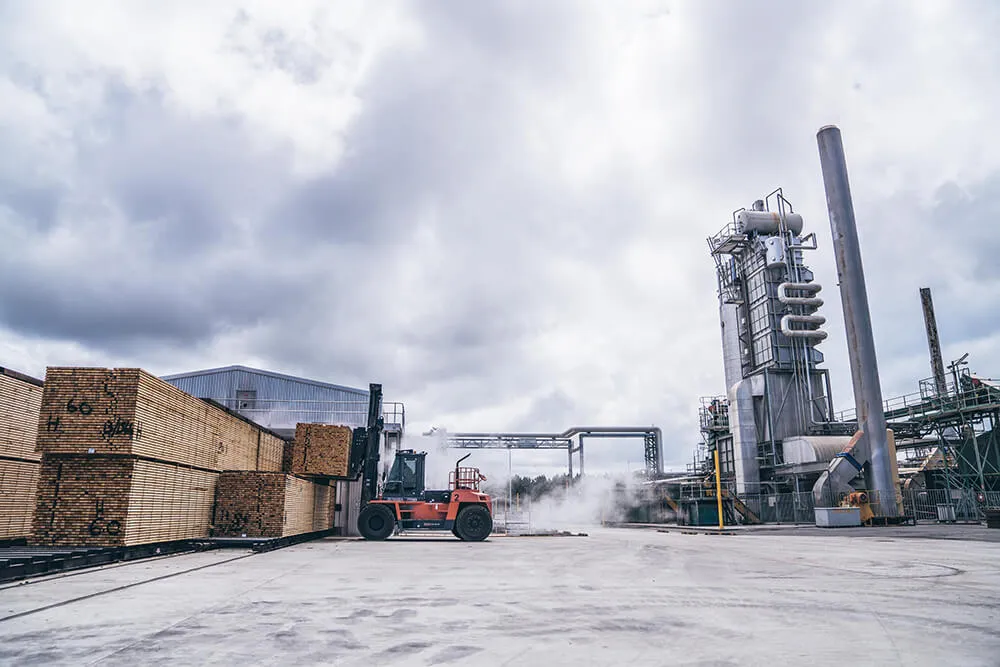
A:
(507, 223)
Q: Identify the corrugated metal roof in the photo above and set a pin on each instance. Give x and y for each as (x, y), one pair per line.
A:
(274, 400)
(258, 371)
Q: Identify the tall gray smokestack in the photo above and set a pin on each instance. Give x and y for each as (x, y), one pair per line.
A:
(857, 318)
(933, 342)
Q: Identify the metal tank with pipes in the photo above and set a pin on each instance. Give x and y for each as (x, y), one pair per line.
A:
(768, 309)
(871, 453)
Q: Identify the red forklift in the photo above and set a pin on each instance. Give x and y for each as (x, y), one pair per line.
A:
(404, 504)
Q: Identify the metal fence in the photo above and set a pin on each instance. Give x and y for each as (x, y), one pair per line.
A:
(923, 505)
(779, 508)
(932, 505)
(511, 520)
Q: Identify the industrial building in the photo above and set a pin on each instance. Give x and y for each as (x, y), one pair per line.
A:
(279, 402)
(782, 449)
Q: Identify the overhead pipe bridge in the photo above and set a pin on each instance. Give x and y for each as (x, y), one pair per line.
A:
(571, 440)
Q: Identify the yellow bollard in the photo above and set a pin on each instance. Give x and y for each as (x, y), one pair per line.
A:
(718, 487)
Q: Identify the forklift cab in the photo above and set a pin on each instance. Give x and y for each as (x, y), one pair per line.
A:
(406, 479)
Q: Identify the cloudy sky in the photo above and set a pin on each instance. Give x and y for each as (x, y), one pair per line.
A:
(497, 210)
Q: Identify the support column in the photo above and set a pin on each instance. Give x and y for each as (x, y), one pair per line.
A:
(581, 456)
(569, 452)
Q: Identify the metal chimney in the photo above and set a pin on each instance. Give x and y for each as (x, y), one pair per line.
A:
(933, 342)
(857, 318)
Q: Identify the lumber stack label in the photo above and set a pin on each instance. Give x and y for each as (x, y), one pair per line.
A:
(115, 501)
(20, 406)
(18, 480)
(127, 411)
(267, 504)
(321, 450)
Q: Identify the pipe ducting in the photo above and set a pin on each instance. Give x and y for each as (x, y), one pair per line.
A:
(812, 288)
(814, 334)
(835, 481)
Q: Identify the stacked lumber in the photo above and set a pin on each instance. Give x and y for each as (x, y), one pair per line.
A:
(320, 449)
(129, 411)
(18, 480)
(116, 501)
(20, 405)
(130, 459)
(267, 504)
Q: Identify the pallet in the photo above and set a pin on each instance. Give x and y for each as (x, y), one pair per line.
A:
(322, 450)
(255, 504)
(118, 501)
(127, 411)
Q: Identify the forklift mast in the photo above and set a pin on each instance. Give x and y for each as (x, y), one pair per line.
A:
(373, 438)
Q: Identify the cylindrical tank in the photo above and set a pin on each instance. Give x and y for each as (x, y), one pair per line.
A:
(774, 252)
(767, 222)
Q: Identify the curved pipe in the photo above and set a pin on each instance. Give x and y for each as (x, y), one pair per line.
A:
(814, 334)
(783, 296)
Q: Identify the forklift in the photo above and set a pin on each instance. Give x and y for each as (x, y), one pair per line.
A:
(404, 503)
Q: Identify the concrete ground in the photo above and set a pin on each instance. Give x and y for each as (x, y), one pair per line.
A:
(615, 597)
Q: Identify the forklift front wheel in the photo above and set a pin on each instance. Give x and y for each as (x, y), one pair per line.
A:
(376, 521)
(474, 523)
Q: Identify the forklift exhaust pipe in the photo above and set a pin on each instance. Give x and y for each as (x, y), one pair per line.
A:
(456, 467)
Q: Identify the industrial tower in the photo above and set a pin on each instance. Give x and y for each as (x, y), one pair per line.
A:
(768, 304)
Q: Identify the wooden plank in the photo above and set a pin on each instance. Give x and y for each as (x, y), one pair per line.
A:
(321, 450)
(169, 502)
(82, 501)
(20, 406)
(267, 504)
(128, 411)
(113, 501)
(18, 480)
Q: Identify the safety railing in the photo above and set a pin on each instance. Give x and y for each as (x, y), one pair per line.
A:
(286, 413)
(713, 414)
(465, 478)
(969, 394)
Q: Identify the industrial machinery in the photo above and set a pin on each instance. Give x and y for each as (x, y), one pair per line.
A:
(404, 503)
(860, 500)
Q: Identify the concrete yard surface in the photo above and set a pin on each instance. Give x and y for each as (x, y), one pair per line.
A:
(615, 597)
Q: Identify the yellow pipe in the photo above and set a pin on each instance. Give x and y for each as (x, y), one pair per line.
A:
(718, 486)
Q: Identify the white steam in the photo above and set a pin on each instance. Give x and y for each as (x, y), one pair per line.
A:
(589, 501)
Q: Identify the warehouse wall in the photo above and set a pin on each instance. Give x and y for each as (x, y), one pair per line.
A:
(278, 401)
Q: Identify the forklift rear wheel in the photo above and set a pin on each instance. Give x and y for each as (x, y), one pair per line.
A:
(376, 521)
(474, 523)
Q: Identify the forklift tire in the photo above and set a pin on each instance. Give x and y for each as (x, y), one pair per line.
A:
(474, 523)
(376, 521)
